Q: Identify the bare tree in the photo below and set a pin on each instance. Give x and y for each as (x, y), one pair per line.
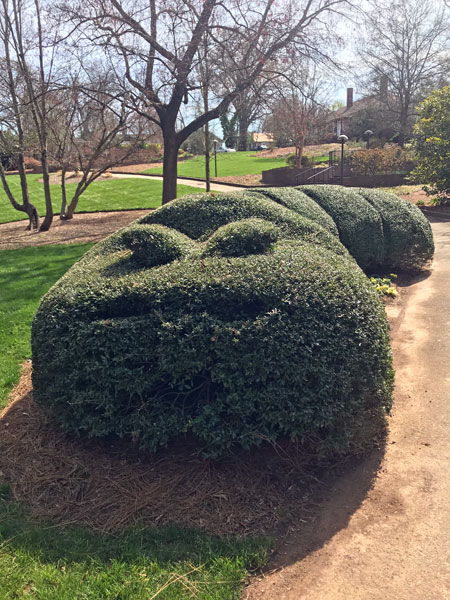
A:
(154, 45)
(16, 83)
(403, 52)
(297, 109)
(84, 134)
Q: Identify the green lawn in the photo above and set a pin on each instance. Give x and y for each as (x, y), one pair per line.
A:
(48, 562)
(25, 275)
(112, 194)
(230, 163)
(45, 562)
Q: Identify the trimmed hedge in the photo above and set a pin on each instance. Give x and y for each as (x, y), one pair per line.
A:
(200, 215)
(154, 245)
(408, 239)
(250, 236)
(301, 204)
(359, 224)
(293, 343)
(266, 328)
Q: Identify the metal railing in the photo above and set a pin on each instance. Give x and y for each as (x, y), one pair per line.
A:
(313, 175)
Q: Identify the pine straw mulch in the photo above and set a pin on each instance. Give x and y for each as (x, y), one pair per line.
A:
(84, 227)
(109, 485)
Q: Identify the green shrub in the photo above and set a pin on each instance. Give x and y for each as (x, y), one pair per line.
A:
(154, 245)
(382, 160)
(199, 215)
(432, 144)
(301, 204)
(292, 343)
(250, 236)
(408, 239)
(359, 224)
(291, 160)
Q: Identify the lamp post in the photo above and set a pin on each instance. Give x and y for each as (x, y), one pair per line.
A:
(342, 139)
(215, 157)
(368, 134)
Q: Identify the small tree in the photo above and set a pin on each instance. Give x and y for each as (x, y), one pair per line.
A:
(296, 111)
(85, 133)
(432, 144)
(230, 129)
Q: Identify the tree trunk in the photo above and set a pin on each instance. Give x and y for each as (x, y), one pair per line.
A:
(48, 219)
(62, 212)
(170, 165)
(207, 159)
(243, 133)
(299, 151)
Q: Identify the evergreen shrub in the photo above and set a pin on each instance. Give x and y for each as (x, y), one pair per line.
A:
(300, 203)
(289, 344)
(408, 239)
(200, 215)
(154, 245)
(267, 329)
(250, 236)
(359, 224)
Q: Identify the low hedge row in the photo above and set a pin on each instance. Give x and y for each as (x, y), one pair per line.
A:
(200, 215)
(359, 224)
(230, 318)
(235, 351)
(408, 240)
(380, 230)
(299, 203)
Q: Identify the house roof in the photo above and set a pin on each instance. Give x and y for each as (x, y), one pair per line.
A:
(357, 106)
(263, 138)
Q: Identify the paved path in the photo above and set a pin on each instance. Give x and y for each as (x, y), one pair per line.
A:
(390, 539)
(215, 187)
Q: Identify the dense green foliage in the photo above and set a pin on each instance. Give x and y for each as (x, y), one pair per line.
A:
(200, 215)
(250, 236)
(260, 327)
(359, 224)
(25, 276)
(46, 562)
(290, 343)
(153, 245)
(300, 203)
(408, 239)
(432, 144)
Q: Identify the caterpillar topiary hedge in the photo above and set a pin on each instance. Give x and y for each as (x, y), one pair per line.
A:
(300, 203)
(408, 240)
(242, 322)
(359, 224)
(200, 215)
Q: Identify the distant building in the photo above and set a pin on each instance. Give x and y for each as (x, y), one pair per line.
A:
(359, 115)
(263, 139)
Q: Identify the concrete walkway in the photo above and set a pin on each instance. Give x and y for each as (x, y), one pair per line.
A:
(384, 533)
(215, 187)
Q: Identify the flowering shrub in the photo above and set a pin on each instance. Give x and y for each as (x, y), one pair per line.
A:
(382, 160)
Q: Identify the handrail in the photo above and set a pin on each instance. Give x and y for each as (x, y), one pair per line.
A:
(321, 173)
(303, 173)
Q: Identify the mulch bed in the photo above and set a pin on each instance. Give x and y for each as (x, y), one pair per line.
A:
(84, 227)
(109, 485)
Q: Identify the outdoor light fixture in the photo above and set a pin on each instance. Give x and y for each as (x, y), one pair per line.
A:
(368, 134)
(215, 157)
(342, 139)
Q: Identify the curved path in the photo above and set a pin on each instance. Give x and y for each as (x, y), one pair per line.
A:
(215, 187)
(396, 544)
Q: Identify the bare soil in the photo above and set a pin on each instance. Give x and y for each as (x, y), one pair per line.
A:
(84, 227)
